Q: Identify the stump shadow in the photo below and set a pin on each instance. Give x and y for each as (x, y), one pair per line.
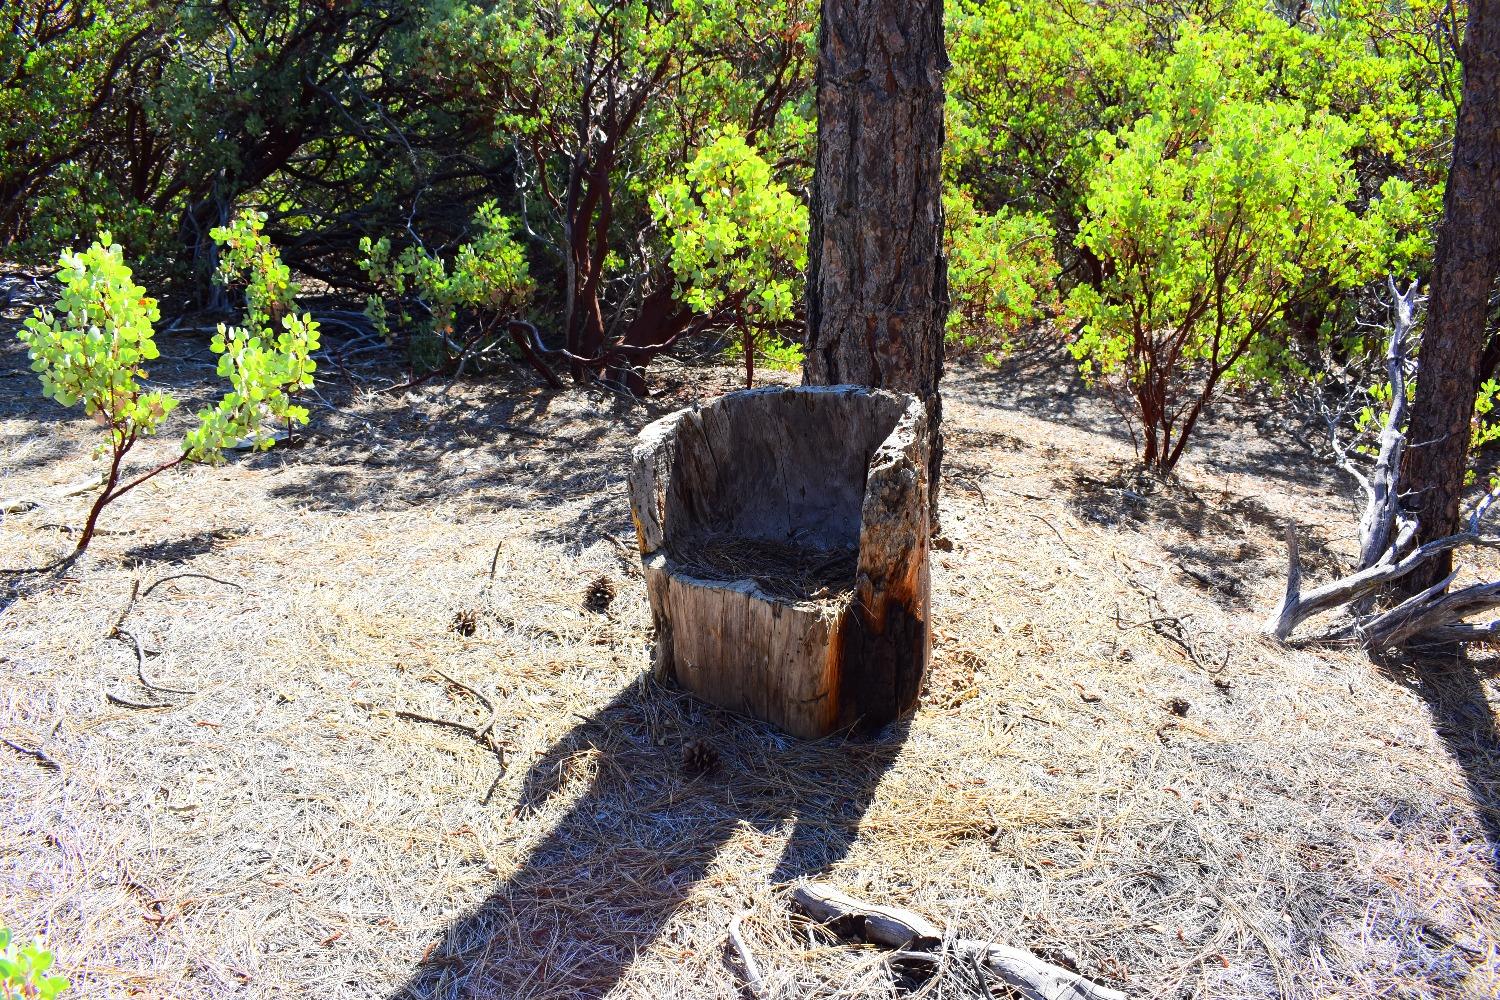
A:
(608, 877)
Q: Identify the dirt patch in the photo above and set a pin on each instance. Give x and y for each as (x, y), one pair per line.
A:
(1110, 766)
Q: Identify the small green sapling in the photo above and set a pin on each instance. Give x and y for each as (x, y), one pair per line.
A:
(91, 347)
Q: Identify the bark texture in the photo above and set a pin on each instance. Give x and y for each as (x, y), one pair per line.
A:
(877, 286)
(1464, 271)
(819, 476)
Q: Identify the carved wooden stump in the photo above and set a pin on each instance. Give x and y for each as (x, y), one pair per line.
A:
(784, 534)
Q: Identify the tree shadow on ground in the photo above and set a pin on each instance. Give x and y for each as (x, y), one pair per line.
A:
(1041, 381)
(1252, 436)
(485, 446)
(606, 880)
(1462, 716)
(1123, 495)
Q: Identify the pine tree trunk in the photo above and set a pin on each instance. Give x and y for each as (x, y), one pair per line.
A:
(877, 284)
(1464, 271)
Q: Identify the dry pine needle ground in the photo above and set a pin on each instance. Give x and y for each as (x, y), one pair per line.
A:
(1109, 767)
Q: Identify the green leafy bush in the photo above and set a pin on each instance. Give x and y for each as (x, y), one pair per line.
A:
(677, 74)
(1001, 275)
(1484, 425)
(487, 282)
(1212, 216)
(23, 971)
(92, 344)
(738, 243)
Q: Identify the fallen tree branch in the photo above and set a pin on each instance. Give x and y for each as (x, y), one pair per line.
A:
(911, 934)
(188, 576)
(484, 734)
(115, 699)
(1385, 536)
(1296, 607)
(35, 753)
(140, 664)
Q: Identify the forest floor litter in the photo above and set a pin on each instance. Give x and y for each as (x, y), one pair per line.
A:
(274, 772)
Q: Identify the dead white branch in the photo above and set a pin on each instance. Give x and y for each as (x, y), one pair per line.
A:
(913, 935)
(1297, 606)
(1385, 536)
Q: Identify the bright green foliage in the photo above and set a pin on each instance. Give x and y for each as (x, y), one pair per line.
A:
(345, 119)
(1001, 274)
(1486, 430)
(1036, 84)
(487, 279)
(91, 345)
(779, 354)
(267, 360)
(247, 258)
(1212, 216)
(600, 104)
(1484, 426)
(1033, 82)
(23, 971)
(738, 240)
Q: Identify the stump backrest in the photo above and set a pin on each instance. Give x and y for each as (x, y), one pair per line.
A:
(778, 465)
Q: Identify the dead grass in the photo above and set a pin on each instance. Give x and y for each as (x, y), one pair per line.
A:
(1109, 766)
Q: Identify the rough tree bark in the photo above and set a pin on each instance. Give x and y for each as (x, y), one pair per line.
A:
(877, 286)
(1464, 270)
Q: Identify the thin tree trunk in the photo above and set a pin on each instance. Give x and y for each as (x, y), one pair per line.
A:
(1464, 270)
(877, 291)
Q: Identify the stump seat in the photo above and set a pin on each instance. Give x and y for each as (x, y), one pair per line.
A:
(784, 536)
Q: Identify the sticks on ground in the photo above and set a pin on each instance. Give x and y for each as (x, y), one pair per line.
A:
(915, 936)
(484, 734)
(754, 984)
(117, 630)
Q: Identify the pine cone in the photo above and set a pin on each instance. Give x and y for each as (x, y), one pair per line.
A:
(601, 594)
(699, 757)
(465, 623)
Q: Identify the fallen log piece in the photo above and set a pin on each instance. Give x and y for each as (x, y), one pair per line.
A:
(912, 935)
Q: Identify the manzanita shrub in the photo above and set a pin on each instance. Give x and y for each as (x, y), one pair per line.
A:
(458, 301)
(1213, 217)
(1001, 275)
(23, 971)
(738, 245)
(92, 344)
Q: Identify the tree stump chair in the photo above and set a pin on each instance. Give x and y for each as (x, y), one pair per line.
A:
(784, 534)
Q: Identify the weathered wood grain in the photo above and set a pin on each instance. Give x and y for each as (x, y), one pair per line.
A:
(823, 469)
